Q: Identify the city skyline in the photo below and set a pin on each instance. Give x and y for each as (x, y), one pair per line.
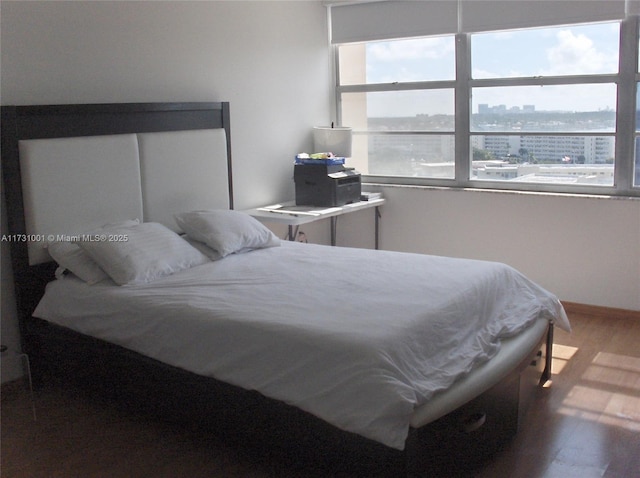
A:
(504, 118)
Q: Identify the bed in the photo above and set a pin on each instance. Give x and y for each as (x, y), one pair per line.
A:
(233, 328)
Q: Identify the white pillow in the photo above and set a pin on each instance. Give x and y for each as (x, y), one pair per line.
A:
(140, 253)
(71, 257)
(202, 247)
(226, 231)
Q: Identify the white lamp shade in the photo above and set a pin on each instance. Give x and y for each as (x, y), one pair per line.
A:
(335, 140)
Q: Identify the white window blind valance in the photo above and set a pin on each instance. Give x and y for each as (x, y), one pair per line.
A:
(390, 19)
(381, 20)
(486, 15)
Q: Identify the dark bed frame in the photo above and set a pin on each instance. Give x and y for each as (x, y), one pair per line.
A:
(450, 445)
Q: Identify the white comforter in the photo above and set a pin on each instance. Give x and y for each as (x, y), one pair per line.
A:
(357, 337)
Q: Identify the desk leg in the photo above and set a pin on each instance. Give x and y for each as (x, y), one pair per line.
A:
(377, 226)
(334, 221)
(291, 234)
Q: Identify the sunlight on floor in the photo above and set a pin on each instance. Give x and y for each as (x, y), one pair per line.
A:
(561, 356)
(608, 392)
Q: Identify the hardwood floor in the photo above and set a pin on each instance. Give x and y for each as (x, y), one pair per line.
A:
(587, 424)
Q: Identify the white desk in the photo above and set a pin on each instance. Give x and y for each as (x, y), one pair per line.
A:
(294, 216)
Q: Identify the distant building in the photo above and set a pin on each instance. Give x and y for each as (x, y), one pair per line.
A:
(546, 173)
(579, 149)
(485, 109)
(424, 145)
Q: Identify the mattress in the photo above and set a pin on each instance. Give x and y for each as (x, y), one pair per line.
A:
(356, 337)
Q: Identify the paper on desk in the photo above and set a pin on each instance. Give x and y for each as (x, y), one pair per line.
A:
(299, 210)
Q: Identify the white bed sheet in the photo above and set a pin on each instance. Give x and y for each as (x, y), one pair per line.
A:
(359, 338)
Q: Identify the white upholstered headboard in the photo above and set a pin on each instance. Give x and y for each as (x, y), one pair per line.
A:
(68, 169)
(74, 185)
(182, 171)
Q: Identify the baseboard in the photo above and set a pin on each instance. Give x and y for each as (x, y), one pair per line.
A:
(600, 311)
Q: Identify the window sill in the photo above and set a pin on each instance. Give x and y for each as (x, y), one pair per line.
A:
(374, 186)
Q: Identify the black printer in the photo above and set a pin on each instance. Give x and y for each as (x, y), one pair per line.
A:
(326, 185)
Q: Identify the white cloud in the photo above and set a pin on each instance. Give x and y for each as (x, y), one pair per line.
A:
(576, 54)
(422, 48)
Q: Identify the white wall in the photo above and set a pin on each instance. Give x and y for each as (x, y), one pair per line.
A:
(583, 249)
(269, 59)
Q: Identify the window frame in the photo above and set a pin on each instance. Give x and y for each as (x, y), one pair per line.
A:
(626, 80)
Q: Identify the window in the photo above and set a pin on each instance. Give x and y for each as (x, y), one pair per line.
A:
(560, 130)
(402, 107)
(558, 51)
(528, 109)
(555, 136)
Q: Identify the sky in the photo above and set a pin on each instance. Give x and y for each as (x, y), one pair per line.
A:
(571, 50)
